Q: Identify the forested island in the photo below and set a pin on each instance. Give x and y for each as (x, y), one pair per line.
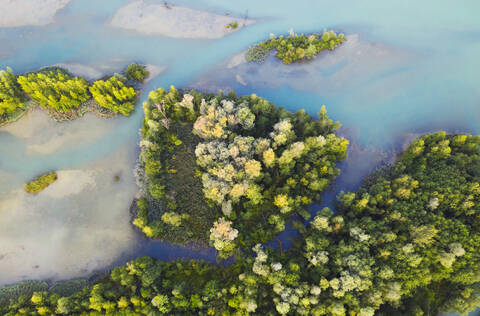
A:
(65, 97)
(404, 244)
(230, 170)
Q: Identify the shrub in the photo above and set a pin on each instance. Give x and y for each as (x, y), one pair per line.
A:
(136, 72)
(41, 182)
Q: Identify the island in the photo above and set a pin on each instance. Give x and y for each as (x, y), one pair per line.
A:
(65, 97)
(230, 170)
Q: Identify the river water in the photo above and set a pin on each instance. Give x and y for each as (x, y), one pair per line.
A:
(407, 68)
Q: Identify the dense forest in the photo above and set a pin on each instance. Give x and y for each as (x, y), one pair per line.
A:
(66, 97)
(404, 244)
(228, 169)
(294, 47)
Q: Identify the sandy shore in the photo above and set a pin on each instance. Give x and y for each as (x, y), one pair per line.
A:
(29, 12)
(174, 21)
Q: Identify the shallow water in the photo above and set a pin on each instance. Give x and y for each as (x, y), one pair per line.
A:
(407, 69)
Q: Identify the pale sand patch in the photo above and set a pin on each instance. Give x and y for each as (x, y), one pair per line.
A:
(240, 80)
(154, 71)
(15, 13)
(79, 224)
(87, 72)
(237, 60)
(175, 21)
(70, 182)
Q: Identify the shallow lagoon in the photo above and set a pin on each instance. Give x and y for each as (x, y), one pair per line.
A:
(409, 68)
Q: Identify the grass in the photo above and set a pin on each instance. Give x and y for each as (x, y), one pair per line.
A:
(41, 182)
(185, 189)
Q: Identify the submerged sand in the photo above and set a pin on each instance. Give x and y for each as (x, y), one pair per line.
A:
(77, 225)
(174, 21)
(331, 73)
(15, 13)
(41, 135)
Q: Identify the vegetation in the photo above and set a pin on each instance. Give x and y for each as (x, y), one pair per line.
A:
(40, 182)
(11, 96)
(136, 72)
(113, 95)
(232, 26)
(295, 47)
(404, 244)
(238, 160)
(56, 89)
(66, 97)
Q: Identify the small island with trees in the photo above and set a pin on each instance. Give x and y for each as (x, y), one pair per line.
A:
(230, 170)
(294, 47)
(65, 97)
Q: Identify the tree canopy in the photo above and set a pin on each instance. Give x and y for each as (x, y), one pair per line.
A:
(11, 96)
(113, 95)
(56, 89)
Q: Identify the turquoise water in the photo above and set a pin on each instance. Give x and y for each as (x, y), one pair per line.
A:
(411, 68)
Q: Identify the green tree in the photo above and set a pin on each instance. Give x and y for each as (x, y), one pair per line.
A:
(113, 95)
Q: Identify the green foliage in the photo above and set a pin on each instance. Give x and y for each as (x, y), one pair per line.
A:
(136, 72)
(11, 96)
(55, 89)
(20, 290)
(65, 97)
(232, 26)
(192, 141)
(40, 182)
(168, 171)
(67, 288)
(295, 47)
(113, 95)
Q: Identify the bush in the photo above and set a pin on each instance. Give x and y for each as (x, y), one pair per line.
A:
(114, 95)
(40, 183)
(136, 72)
